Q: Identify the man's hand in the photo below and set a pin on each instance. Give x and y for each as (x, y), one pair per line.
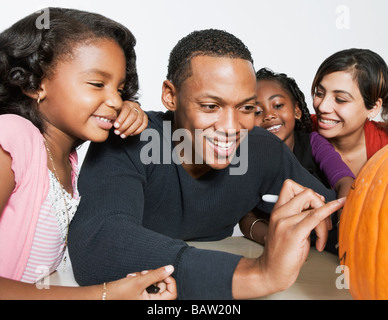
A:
(297, 212)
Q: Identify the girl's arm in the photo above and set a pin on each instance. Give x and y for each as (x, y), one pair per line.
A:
(128, 288)
(254, 226)
(7, 178)
(133, 287)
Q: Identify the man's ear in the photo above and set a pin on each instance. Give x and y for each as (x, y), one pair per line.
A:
(169, 95)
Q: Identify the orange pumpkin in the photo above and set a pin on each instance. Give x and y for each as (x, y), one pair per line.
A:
(363, 247)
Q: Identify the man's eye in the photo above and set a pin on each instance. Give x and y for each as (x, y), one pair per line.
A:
(248, 109)
(209, 106)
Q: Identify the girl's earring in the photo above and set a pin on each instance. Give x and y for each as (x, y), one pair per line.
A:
(38, 100)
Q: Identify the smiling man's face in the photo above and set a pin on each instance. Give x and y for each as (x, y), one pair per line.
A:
(214, 105)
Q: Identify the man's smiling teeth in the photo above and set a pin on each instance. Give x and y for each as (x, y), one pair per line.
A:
(224, 145)
(328, 121)
(103, 119)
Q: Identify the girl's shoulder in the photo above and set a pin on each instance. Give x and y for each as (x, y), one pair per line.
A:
(21, 139)
(13, 122)
(18, 129)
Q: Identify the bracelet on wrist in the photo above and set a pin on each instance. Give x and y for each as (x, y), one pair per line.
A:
(253, 223)
(104, 291)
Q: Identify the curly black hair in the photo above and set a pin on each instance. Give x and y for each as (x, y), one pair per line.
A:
(305, 123)
(209, 42)
(28, 53)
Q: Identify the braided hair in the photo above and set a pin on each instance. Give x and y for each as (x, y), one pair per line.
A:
(290, 86)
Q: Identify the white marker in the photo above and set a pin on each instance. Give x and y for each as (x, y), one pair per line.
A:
(271, 198)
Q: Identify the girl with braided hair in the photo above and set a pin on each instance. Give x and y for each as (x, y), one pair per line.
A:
(282, 109)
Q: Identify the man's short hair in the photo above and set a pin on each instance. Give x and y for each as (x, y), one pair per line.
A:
(210, 42)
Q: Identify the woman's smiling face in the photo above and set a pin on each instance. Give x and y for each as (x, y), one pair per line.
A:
(339, 105)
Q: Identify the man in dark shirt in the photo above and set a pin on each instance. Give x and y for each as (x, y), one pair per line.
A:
(192, 175)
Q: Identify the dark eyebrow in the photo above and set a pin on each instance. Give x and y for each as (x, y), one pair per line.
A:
(344, 92)
(276, 96)
(100, 72)
(221, 100)
(336, 91)
(319, 86)
(249, 99)
(209, 96)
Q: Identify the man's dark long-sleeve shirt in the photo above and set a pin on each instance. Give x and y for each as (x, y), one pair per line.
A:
(135, 216)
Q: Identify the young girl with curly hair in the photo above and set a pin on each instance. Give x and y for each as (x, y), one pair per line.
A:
(60, 86)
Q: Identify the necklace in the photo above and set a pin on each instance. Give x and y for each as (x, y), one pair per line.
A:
(63, 196)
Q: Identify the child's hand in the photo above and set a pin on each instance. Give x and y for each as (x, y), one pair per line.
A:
(132, 120)
(134, 286)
